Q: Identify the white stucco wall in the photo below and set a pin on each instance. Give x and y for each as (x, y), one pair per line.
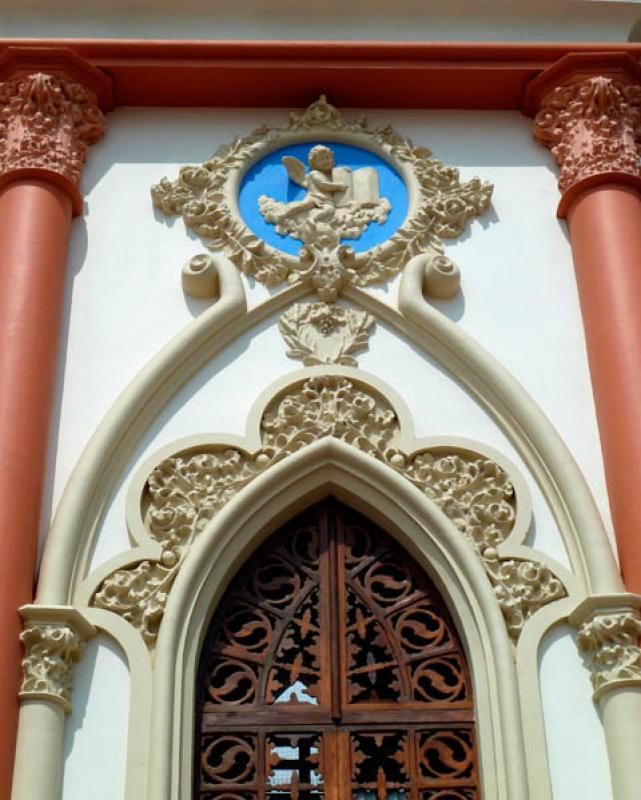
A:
(403, 20)
(124, 301)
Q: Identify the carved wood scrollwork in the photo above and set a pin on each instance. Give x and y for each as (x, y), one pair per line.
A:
(184, 493)
(333, 669)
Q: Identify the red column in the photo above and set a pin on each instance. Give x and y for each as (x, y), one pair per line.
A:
(588, 111)
(47, 121)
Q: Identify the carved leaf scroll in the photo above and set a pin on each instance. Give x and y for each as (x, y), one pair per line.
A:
(184, 493)
(325, 333)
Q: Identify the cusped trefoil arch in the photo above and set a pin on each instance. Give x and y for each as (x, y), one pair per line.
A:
(183, 493)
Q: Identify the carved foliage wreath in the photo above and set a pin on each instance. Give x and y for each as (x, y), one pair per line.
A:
(442, 205)
(184, 493)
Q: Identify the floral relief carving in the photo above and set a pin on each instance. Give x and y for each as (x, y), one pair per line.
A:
(47, 122)
(592, 126)
(201, 196)
(184, 493)
(51, 650)
(325, 333)
(609, 645)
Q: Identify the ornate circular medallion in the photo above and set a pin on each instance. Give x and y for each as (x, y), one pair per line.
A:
(323, 200)
(366, 205)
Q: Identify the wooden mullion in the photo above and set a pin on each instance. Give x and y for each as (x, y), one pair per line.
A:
(336, 627)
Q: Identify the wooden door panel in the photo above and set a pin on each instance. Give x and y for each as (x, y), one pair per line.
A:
(332, 669)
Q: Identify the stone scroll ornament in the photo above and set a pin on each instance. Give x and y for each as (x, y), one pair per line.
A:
(332, 208)
(185, 492)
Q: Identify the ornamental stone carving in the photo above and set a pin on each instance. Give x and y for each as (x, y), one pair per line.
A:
(339, 203)
(345, 200)
(47, 123)
(53, 640)
(325, 333)
(184, 493)
(609, 645)
(592, 126)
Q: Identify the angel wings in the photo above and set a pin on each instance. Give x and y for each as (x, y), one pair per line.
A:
(358, 186)
(296, 170)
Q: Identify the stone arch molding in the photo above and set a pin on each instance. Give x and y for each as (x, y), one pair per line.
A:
(197, 507)
(179, 492)
(368, 444)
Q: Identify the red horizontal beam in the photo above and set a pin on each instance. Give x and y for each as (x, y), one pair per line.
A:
(366, 74)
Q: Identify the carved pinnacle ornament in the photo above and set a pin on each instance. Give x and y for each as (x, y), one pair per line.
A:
(47, 123)
(51, 650)
(592, 126)
(609, 646)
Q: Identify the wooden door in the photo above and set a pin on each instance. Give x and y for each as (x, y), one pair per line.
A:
(332, 669)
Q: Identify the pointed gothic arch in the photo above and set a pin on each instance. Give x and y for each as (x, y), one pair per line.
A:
(332, 668)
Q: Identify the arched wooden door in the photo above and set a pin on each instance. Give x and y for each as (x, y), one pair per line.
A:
(332, 669)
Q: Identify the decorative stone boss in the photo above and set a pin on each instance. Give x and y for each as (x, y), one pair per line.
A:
(326, 201)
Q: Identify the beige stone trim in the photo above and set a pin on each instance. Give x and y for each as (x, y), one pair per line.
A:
(531, 433)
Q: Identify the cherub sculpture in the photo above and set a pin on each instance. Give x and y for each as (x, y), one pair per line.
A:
(338, 198)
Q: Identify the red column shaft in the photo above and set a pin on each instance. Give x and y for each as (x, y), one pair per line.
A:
(35, 219)
(605, 231)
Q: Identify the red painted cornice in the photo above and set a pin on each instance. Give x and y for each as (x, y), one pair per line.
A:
(278, 73)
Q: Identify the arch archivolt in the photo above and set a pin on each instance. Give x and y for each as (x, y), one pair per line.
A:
(197, 508)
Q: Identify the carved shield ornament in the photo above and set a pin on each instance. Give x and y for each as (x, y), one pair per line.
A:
(323, 200)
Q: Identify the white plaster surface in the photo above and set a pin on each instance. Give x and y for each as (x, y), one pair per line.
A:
(403, 20)
(124, 302)
(96, 732)
(576, 744)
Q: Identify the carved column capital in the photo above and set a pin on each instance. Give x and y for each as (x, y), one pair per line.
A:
(587, 111)
(608, 639)
(53, 640)
(49, 116)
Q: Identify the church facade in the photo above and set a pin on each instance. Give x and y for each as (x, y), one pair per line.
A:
(321, 361)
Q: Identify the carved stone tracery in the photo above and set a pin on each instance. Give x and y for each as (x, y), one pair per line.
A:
(47, 123)
(592, 126)
(186, 492)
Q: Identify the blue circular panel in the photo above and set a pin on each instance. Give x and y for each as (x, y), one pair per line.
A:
(269, 177)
